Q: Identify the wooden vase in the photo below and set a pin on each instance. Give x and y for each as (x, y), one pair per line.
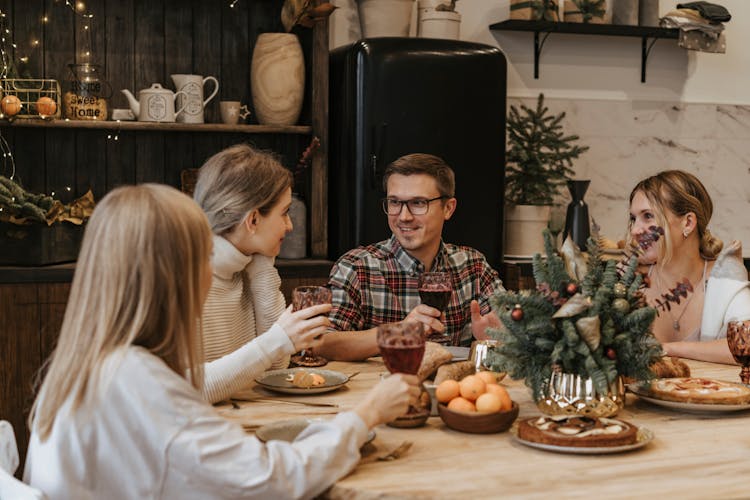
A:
(277, 78)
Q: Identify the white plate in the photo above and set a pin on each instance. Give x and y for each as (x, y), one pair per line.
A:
(288, 430)
(687, 407)
(276, 380)
(643, 437)
(459, 353)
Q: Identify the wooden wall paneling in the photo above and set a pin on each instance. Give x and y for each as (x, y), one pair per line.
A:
(90, 157)
(91, 166)
(89, 34)
(120, 47)
(319, 170)
(53, 299)
(235, 55)
(59, 52)
(119, 32)
(178, 42)
(207, 56)
(19, 356)
(149, 69)
(28, 148)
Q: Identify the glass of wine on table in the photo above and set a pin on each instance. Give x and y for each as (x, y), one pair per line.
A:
(402, 347)
(435, 289)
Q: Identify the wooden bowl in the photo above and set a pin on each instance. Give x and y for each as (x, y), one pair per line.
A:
(478, 423)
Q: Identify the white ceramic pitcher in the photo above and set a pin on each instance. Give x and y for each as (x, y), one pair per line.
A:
(192, 86)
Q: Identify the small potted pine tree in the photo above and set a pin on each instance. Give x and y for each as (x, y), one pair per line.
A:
(539, 159)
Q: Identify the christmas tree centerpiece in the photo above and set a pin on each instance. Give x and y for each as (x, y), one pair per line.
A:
(583, 328)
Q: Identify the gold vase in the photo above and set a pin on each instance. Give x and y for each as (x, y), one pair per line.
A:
(569, 394)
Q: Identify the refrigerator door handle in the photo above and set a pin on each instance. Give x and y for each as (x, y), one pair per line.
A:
(378, 144)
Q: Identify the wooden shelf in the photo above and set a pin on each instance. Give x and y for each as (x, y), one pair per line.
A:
(645, 33)
(162, 127)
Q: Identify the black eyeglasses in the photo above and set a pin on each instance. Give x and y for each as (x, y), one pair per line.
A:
(417, 206)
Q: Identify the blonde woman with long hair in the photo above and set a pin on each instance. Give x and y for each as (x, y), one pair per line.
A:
(246, 195)
(120, 414)
(696, 327)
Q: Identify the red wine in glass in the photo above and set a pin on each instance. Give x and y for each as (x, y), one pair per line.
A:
(435, 290)
(738, 338)
(402, 346)
(302, 298)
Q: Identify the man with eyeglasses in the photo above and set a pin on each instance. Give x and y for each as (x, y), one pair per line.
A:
(378, 283)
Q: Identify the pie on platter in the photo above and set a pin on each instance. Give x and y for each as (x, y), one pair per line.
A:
(577, 431)
(696, 390)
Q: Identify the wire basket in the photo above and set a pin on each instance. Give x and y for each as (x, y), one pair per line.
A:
(33, 95)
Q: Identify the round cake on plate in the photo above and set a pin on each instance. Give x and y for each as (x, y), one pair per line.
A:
(699, 390)
(578, 431)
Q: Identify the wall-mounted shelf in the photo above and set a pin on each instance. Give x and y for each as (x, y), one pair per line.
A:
(645, 33)
(163, 127)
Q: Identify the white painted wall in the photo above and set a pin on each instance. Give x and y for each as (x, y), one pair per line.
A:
(599, 67)
(693, 112)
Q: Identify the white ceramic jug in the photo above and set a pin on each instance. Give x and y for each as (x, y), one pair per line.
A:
(192, 86)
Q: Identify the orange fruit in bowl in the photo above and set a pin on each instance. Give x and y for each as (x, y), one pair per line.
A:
(461, 404)
(447, 390)
(498, 390)
(487, 377)
(471, 387)
(488, 403)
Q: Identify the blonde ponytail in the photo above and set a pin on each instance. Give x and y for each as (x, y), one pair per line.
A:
(710, 245)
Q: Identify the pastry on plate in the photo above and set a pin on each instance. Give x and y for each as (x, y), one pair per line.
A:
(576, 431)
(699, 390)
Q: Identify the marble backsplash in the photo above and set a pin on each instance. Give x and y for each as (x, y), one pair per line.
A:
(631, 140)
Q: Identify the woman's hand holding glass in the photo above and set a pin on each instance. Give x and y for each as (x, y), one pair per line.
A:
(306, 326)
(388, 400)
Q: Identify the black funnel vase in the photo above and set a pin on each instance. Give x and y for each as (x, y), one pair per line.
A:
(577, 219)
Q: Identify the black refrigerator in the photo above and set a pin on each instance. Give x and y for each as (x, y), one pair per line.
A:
(395, 96)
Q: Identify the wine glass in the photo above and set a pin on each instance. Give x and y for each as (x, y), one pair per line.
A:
(302, 298)
(738, 338)
(402, 347)
(435, 290)
(556, 222)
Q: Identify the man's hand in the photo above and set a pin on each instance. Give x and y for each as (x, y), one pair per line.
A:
(479, 323)
(428, 316)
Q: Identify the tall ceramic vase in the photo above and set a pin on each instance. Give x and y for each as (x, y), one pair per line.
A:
(277, 78)
(577, 224)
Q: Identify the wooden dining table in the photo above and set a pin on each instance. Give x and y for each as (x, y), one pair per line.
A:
(692, 455)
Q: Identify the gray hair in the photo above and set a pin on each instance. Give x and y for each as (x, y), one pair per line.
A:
(236, 181)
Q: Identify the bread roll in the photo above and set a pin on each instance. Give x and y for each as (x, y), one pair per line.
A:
(434, 356)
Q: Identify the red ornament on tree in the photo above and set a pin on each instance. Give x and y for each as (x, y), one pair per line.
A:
(572, 288)
(611, 354)
(517, 313)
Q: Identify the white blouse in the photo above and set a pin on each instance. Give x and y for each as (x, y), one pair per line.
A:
(147, 433)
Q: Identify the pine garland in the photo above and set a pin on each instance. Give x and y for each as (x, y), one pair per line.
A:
(600, 331)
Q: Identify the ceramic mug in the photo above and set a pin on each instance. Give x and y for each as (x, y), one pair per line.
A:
(232, 111)
(194, 104)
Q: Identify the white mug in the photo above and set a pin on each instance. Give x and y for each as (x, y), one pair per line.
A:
(232, 111)
(192, 86)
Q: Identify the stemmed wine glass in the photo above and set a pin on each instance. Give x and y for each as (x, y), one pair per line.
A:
(302, 298)
(738, 338)
(435, 290)
(402, 347)
(556, 222)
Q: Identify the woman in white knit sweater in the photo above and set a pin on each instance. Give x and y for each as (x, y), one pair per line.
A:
(246, 195)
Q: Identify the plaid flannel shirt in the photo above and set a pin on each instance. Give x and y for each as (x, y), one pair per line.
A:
(378, 284)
